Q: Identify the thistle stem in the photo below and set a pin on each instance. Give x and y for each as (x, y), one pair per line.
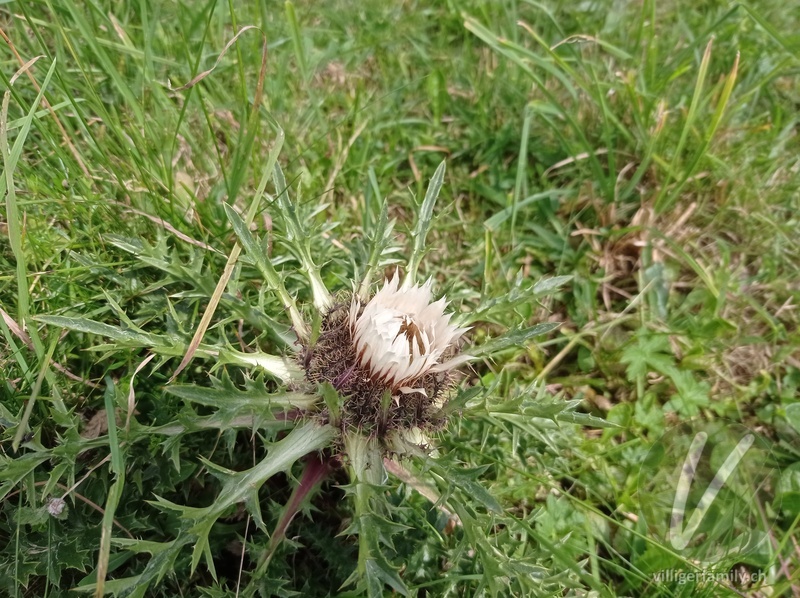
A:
(366, 472)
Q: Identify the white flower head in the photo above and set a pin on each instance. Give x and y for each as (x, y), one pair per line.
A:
(402, 334)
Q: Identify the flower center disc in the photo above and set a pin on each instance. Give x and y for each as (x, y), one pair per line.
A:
(413, 335)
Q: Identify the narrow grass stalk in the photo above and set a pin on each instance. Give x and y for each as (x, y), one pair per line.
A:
(10, 159)
(44, 366)
(662, 201)
(553, 105)
(115, 492)
(297, 39)
(708, 136)
(522, 163)
(15, 233)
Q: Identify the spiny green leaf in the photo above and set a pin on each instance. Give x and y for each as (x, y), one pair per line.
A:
(514, 338)
(380, 239)
(424, 219)
(12, 471)
(299, 237)
(243, 401)
(282, 368)
(100, 329)
(380, 572)
(474, 489)
(549, 285)
(262, 261)
(584, 419)
(498, 308)
(238, 486)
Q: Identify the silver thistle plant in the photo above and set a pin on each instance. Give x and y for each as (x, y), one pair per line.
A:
(384, 366)
(367, 381)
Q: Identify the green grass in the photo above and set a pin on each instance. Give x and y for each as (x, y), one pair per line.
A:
(647, 150)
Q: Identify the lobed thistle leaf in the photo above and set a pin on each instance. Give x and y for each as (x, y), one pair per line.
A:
(424, 219)
(271, 276)
(494, 309)
(300, 241)
(380, 242)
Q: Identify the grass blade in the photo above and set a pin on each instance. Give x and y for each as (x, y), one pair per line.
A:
(708, 136)
(22, 427)
(297, 39)
(115, 492)
(661, 201)
(10, 159)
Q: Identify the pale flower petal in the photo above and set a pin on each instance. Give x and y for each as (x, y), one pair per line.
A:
(400, 334)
